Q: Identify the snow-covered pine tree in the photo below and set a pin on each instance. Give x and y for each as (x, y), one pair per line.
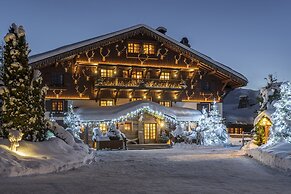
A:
(269, 93)
(21, 103)
(38, 122)
(201, 127)
(280, 131)
(73, 122)
(215, 131)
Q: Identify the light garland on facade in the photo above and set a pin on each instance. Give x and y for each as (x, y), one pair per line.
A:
(135, 113)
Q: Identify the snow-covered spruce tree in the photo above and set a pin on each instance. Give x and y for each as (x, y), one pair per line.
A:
(269, 93)
(73, 122)
(201, 127)
(212, 127)
(21, 93)
(37, 119)
(280, 131)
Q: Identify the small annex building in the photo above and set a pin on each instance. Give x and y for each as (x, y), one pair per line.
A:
(138, 120)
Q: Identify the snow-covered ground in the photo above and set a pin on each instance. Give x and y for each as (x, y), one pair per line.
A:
(276, 156)
(49, 156)
(190, 169)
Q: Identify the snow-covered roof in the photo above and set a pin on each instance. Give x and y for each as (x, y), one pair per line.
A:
(265, 113)
(87, 113)
(235, 115)
(78, 45)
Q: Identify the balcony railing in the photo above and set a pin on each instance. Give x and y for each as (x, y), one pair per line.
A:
(139, 83)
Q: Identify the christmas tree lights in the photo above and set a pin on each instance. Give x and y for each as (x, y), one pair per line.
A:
(211, 128)
(280, 131)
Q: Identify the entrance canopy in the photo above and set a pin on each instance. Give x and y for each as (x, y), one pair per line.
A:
(132, 109)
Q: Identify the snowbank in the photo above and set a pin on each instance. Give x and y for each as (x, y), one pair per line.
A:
(49, 156)
(276, 156)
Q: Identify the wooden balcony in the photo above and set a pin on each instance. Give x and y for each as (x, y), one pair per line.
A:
(129, 83)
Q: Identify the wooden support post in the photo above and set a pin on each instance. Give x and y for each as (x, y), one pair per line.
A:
(86, 134)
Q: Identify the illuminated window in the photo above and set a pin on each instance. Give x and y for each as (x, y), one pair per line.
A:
(127, 126)
(136, 75)
(133, 48)
(106, 72)
(165, 103)
(103, 127)
(57, 106)
(148, 49)
(150, 131)
(125, 73)
(165, 76)
(106, 102)
(136, 99)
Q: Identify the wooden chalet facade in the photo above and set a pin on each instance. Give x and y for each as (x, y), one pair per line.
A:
(137, 63)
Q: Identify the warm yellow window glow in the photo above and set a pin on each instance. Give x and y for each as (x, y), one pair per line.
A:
(165, 103)
(106, 103)
(148, 49)
(133, 48)
(137, 75)
(127, 126)
(57, 106)
(103, 127)
(107, 72)
(125, 73)
(150, 131)
(165, 76)
(136, 99)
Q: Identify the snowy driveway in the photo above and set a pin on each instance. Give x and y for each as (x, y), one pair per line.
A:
(159, 171)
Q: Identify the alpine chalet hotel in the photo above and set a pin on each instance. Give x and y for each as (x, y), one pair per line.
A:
(138, 78)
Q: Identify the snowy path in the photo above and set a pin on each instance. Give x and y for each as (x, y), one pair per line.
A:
(159, 171)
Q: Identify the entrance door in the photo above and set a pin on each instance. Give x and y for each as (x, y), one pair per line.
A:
(150, 132)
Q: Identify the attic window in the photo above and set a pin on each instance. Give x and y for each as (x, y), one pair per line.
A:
(148, 49)
(133, 48)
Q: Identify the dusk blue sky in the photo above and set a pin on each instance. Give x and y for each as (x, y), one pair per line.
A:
(252, 37)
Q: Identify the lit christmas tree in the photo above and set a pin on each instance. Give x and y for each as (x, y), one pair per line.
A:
(21, 91)
(73, 122)
(211, 127)
(280, 131)
(202, 127)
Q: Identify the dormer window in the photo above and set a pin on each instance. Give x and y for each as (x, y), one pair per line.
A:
(133, 48)
(148, 49)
